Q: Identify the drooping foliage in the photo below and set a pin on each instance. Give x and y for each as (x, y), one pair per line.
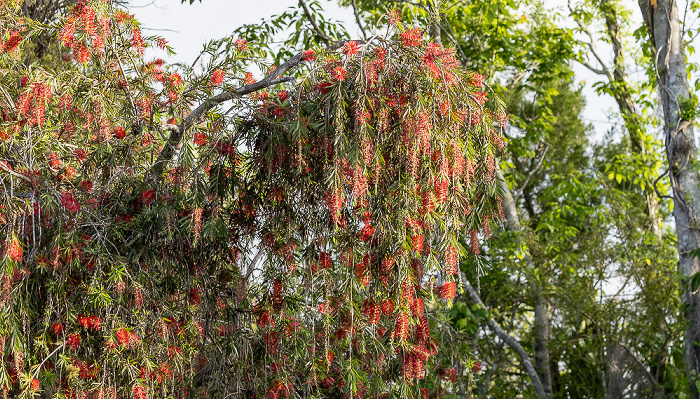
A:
(159, 244)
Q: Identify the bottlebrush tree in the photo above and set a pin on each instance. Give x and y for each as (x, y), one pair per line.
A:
(179, 232)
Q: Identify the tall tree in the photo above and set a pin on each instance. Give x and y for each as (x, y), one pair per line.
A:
(665, 34)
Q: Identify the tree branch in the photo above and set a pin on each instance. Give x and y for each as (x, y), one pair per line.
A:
(319, 32)
(357, 18)
(510, 341)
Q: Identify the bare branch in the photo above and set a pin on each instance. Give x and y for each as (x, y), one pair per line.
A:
(13, 173)
(533, 170)
(592, 46)
(593, 69)
(510, 341)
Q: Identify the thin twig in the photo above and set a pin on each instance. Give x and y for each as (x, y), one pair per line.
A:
(319, 32)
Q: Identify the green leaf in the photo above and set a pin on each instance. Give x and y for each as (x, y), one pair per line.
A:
(695, 282)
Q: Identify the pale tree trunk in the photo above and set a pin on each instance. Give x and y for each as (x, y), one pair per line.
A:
(543, 335)
(681, 151)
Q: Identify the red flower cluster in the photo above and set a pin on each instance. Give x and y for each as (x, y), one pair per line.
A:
(14, 250)
(119, 132)
(127, 339)
(241, 44)
(338, 74)
(412, 37)
(11, 43)
(70, 203)
(86, 371)
(139, 392)
(402, 326)
(350, 48)
(93, 323)
(73, 342)
(448, 290)
(148, 196)
(201, 139)
(217, 77)
(308, 55)
(31, 104)
(56, 328)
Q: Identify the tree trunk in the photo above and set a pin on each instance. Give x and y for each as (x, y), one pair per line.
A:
(542, 325)
(543, 334)
(626, 104)
(681, 152)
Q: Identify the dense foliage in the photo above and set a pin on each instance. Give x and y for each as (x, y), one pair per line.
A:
(300, 243)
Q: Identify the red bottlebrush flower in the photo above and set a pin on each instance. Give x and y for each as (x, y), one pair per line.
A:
(283, 95)
(70, 203)
(424, 393)
(481, 97)
(14, 250)
(120, 287)
(476, 367)
(139, 392)
(241, 45)
(119, 132)
(217, 77)
(56, 328)
(67, 34)
(175, 79)
(161, 43)
(413, 37)
(324, 87)
(70, 172)
(54, 162)
(308, 55)
(86, 185)
(174, 351)
(418, 242)
(417, 307)
(34, 385)
(195, 299)
(474, 241)
(249, 79)
(137, 40)
(324, 259)
(81, 53)
(448, 290)
(80, 154)
(148, 196)
(402, 326)
(394, 17)
(359, 189)
(73, 342)
(127, 339)
(387, 306)
(201, 139)
(367, 232)
(338, 74)
(477, 80)
(12, 42)
(350, 48)
(451, 258)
